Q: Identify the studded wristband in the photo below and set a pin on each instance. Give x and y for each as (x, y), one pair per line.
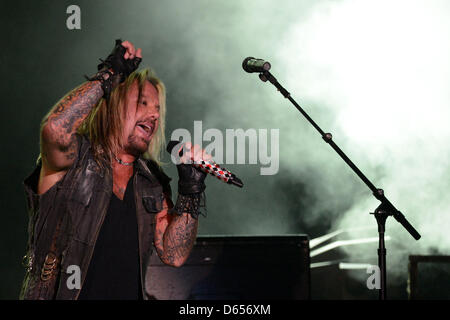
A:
(190, 203)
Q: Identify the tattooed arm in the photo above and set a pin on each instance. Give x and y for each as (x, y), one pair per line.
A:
(58, 140)
(174, 236)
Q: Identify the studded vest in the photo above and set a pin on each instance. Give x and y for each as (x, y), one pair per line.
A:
(64, 223)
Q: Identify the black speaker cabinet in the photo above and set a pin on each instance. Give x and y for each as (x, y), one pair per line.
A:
(236, 267)
(432, 282)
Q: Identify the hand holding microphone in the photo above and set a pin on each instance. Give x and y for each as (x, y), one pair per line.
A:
(191, 180)
(200, 161)
(192, 167)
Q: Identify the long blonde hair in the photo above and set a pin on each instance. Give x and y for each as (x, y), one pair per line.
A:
(104, 123)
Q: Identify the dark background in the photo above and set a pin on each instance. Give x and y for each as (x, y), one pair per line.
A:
(196, 48)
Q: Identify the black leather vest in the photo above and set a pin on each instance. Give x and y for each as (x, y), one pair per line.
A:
(64, 222)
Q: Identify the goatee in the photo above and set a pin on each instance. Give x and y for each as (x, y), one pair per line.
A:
(135, 146)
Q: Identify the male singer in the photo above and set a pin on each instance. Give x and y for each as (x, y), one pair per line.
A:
(98, 199)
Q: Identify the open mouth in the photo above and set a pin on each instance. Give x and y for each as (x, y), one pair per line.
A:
(145, 128)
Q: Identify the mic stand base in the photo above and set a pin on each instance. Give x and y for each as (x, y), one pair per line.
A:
(381, 214)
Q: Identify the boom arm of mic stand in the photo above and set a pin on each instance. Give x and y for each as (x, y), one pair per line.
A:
(399, 216)
(328, 138)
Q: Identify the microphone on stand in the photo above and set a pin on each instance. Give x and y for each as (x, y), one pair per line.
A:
(251, 65)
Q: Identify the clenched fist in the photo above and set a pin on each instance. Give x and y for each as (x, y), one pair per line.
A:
(131, 52)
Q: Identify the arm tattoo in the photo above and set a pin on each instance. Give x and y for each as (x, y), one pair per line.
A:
(71, 111)
(159, 233)
(179, 239)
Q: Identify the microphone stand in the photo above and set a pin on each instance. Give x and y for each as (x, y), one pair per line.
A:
(382, 212)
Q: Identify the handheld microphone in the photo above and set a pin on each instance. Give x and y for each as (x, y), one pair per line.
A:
(251, 65)
(208, 166)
